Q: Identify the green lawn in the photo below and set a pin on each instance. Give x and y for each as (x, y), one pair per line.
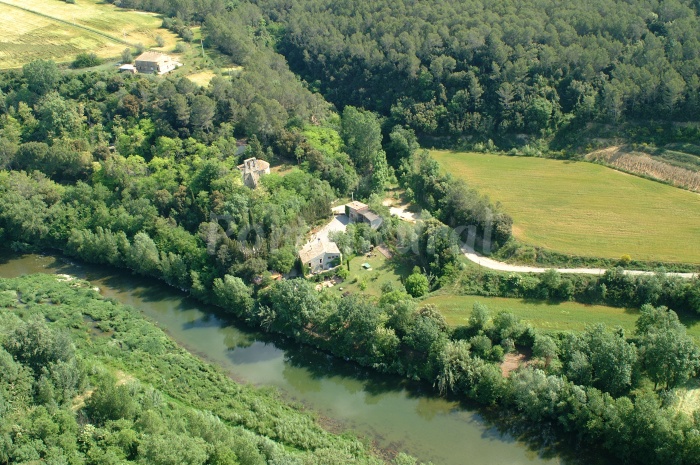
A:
(584, 209)
(382, 271)
(565, 316)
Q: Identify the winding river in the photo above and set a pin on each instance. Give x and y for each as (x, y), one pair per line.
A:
(394, 414)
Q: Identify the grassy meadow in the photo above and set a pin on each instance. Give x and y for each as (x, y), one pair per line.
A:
(55, 30)
(370, 282)
(564, 316)
(585, 209)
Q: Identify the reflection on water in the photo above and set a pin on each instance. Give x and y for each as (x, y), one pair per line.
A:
(257, 352)
(395, 414)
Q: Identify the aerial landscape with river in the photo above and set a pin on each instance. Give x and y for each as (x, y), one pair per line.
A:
(392, 413)
(307, 232)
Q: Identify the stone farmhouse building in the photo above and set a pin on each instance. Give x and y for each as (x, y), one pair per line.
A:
(155, 62)
(319, 255)
(252, 169)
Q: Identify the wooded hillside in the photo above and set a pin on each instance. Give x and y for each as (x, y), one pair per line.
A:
(468, 67)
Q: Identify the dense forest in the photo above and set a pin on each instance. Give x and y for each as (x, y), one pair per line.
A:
(549, 75)
(489, 69)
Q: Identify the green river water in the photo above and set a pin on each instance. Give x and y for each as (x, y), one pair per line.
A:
(393, 414)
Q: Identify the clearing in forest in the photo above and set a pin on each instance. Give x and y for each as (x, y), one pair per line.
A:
(58, 31)
(370, 280)
(584, 209)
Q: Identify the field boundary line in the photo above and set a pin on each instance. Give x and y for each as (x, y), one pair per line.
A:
(63, 21)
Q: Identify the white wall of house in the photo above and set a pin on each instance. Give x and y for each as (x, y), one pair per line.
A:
(321, 262)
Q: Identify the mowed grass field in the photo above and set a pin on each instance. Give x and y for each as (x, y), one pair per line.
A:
(55, 30)
(564, 316)
(584, 209)
(382, 271)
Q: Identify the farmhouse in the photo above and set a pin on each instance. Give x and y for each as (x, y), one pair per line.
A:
(319, 255)
(154, 62)
(360, 213)
(252, 169)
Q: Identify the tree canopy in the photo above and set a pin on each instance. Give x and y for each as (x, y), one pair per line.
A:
(469, 68)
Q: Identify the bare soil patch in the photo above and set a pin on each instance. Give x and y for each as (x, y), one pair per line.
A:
(513, 361)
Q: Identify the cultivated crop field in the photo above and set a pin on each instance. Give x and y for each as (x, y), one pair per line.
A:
(585, 209)
(564, 316)
(53, 29)
(672, 171)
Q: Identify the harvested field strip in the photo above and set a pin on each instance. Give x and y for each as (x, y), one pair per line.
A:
(644, 165)
(68, 23)
(58, 31)
(28, 37)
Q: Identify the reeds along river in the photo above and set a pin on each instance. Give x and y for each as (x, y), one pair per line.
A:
(387, 410)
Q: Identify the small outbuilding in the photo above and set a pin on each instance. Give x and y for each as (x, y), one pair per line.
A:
(128, 68)
(155, 62)
(359, 212)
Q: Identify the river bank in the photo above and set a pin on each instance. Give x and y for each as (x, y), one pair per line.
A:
(386, 410)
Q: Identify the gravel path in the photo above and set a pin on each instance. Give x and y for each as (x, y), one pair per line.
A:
(338, 223)
(491, 264)
(500, 266)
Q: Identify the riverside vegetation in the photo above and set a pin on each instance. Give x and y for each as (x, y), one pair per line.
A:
(87, 380)
(139, 172)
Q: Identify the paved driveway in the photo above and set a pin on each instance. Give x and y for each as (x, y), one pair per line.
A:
(338, 223)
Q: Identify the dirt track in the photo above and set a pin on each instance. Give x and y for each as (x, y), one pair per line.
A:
(491, 264)
(500, 266)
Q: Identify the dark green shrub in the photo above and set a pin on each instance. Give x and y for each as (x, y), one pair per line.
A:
(86, 60)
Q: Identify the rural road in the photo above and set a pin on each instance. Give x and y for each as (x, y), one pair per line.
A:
(491, 264)
(402, 213)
